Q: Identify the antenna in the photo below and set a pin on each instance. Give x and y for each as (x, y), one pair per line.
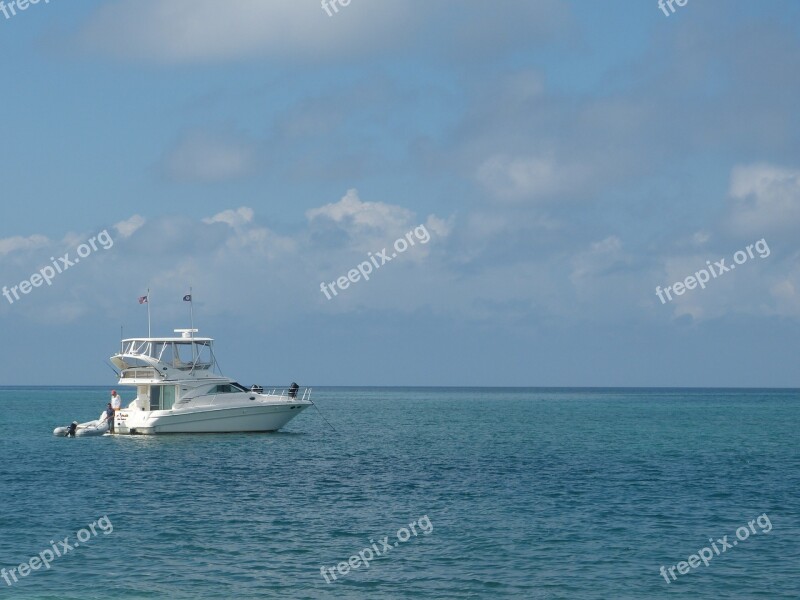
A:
(191, 310)
(149, 333)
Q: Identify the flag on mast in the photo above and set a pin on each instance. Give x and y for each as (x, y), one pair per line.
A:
(188, 298)
(146, 300)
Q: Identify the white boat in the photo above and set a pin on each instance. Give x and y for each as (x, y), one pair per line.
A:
(179, 390)
(90, 428)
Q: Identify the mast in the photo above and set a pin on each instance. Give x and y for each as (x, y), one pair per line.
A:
(191, 311)
(189, 298)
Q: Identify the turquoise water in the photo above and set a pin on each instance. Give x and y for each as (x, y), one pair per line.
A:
(529, 493)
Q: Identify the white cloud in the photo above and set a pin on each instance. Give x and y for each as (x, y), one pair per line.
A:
(439, 227)
(525, 86)
(191, 31)
(786, 295)
(764, 285)
(249, 239)
(351, 213)
(765, 198)
(598, 259)
(128, 227)
(785, 287)
(205, 157)
(528, 177)
(13, 244)
(234, 218)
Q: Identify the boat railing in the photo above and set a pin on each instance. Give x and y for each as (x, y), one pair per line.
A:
(306, 394)
(285, 394)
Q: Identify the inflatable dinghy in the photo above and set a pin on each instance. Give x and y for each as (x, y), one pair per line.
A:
(90, 428)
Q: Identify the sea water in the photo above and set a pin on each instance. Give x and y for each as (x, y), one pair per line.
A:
(456, 493)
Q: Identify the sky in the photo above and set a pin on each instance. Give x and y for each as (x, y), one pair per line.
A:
(519, 182)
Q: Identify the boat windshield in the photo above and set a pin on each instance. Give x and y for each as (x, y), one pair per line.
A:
(179, 354)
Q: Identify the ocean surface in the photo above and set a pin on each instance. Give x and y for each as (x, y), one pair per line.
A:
(512, 493)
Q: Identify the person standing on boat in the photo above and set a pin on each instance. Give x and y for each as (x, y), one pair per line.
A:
(116, 404)
(110, 417)
(116, 400)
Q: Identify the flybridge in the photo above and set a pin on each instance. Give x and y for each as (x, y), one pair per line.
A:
(184, 353)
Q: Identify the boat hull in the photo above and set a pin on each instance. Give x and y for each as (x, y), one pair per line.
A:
(88, 429)
(258, 418)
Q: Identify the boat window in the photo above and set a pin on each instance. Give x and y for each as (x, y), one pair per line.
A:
(239, 387)
(138, 347)
(203, 354)
(162, 397)
(167, 397)
(157, 350)
(224, 388)
(183, 353)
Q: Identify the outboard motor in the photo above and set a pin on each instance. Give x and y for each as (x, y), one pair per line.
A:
(293, 390)
(72, 428)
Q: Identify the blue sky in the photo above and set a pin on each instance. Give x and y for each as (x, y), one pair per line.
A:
(566, 159)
